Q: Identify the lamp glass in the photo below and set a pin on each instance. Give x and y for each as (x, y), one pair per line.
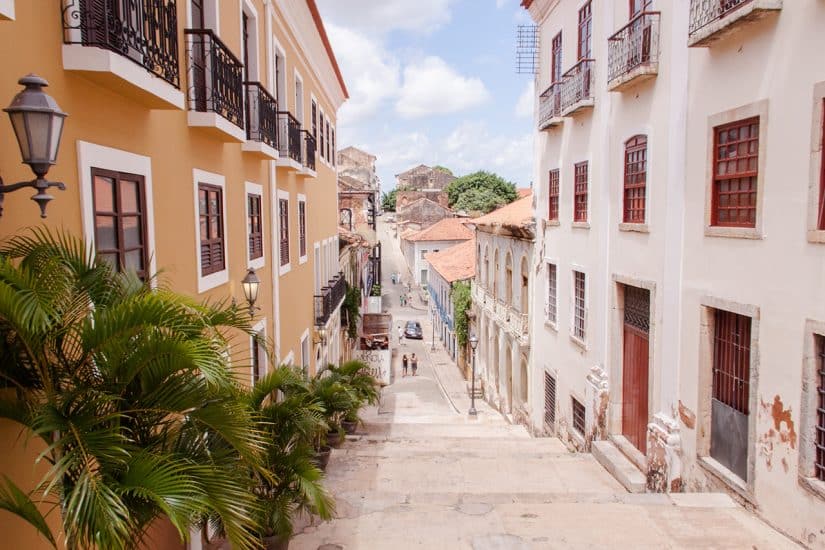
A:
(250, 286)
(20, 131)
(473, 341)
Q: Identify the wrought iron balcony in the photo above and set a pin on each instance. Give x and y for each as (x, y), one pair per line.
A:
(550, 106)
(633, 52)
(215, 77)
(711, 19)
(261, 115)
(308, 143)
(577, 87)
(330, 299)
(289, 136)
(143, 31)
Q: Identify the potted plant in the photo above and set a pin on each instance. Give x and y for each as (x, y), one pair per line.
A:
(363, 387)
(337, 400)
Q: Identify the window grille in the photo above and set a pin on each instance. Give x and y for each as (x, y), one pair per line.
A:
(731, 360)
(256, 235)
(578, 416)
(553, 196)
(735, 169)
(819, 440)
(579, 306)
(527, 49)
(283, 233)
(580, 194)
(210, 205)
(637, 307)
(635, 179)
(552, 293)
(549, 401)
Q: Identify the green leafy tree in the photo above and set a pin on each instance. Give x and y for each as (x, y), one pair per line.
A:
(443, 169)
(462, 301)
(480, 191)
(388, 201)
(130, 391)
(352, 310)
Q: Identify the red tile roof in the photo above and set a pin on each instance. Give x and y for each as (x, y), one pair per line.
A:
(524, 192)
(456, 263)
(448, 229)
(518, 213)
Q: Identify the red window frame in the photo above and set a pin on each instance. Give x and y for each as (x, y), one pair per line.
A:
(585, 31)
(638, 6)
(732, 360)
(556, 59)
(635, 179)
(580, 192)
(210, 211)
(121, 214)
(302, 228)
(283, 230)
(821, 212)
(256, 232)
(735, 173)
(579, 305)
(553, 196)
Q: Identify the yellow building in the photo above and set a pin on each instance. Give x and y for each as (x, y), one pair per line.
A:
(200, 141)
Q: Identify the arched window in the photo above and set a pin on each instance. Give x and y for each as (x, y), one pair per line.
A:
(495, 274)
(525, 290)
(508, 280)
(635, 179)
(485, 276)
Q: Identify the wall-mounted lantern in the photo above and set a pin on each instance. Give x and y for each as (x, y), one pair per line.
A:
(250, 285)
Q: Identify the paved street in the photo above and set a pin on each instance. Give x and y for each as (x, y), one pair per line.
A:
(421, 474)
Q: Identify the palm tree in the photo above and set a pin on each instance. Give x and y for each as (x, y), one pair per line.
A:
(293, 420)
(130, 390)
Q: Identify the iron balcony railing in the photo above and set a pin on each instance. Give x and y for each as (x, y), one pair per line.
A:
(634, 45)
(143, 31)
(705, 12)
(577, 84)
(550, 104)
(289, 136)
(330, 299)
(261, 115)
(215, 77)
(309, 149)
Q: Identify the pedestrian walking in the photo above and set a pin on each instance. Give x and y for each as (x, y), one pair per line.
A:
(414, 364)
(404, 363)
(400, 336)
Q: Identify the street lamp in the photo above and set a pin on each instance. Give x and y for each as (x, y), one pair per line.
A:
(250, 285)
(473, 345)
(38, 125)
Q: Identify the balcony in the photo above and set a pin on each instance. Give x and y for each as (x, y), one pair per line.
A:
(550, 106)
(290, 144)
(513, 322)
(216, 91)
(633, 52)
(330, 299)
(308, 153)
(711, 20)
(128, 46)
(577, 88)
(261, 121)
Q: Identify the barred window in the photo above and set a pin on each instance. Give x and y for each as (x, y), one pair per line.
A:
(256, 234)
(580, 194)
(552, 293)
(549, 401)
(579, 305)
(819, 438)
(210, 206)
(635, 179)
(283, 233)
(578, 416)
(735, 170)
(553, 194)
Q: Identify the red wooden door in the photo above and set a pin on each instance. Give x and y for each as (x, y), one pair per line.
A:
(635, 367)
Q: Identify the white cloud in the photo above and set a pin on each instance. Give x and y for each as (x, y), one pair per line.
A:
(471, 146)
(501, 3)
(371, 73)
(524, 105)
(432, 87)
(384, 16)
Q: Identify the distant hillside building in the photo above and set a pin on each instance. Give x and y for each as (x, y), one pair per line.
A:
(423, 177)
(420, 214)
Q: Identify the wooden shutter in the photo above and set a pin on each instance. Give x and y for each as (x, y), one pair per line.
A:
(580, 192)
(256, 235)
(283, 233)
(210, 205)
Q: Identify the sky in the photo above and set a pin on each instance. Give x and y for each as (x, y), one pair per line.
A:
(433, 82)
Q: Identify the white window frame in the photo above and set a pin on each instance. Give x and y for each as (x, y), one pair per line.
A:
(289, 360)
(302, 199)
(321, 118)
(305, 341)
(553, 323)
(258, 328)
(279, 89)
(316, 247)
(573, 269)
(92, 155)
(282, 269)
(253, 71)
(7, 9)
(300, 110)
(251, 188)
(218, 278)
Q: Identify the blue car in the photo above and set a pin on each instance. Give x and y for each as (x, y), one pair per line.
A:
(413, 331)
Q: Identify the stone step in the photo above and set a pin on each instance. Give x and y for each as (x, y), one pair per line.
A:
(425, 430)
(619, 466)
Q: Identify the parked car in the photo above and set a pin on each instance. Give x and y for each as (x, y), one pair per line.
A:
(413, 331)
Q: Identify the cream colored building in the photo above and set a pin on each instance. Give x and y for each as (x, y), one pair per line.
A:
(200, 141)
(678, 318)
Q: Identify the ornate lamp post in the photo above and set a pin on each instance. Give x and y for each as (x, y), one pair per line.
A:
(473, 345)
(38, 125)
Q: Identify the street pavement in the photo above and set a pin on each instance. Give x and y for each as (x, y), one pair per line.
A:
(421, 473)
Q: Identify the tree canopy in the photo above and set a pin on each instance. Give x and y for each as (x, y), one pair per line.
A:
(388, 200)
(443, 169)
(480, 191)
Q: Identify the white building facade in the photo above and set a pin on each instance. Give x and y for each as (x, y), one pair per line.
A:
(415, 246)
(679, 160)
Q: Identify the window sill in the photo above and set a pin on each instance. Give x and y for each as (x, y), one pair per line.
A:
(551, 325)
(580, 225)
(634, 227)
(816, 236)
(284, 269)
(577, 437)
(551, 223)
(302, 260)
(579, 342)
(753, 233)
(213, 280)
(813, 485)
(256, 263)
(728, 478)
(7, 9)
